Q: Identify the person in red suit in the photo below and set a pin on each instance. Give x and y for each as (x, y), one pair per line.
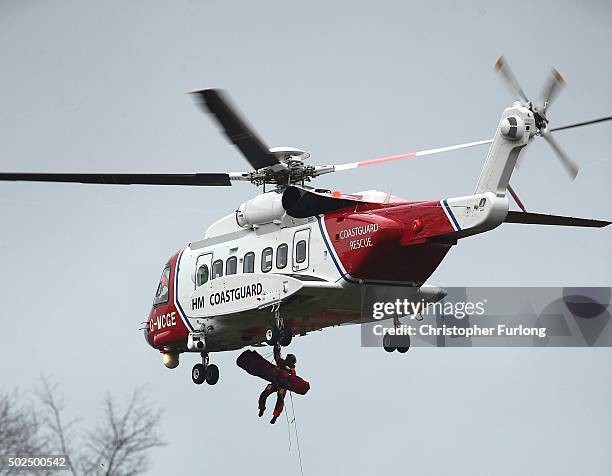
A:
(288, 364)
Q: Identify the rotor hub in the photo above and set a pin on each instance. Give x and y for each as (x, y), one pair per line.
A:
(289, 154)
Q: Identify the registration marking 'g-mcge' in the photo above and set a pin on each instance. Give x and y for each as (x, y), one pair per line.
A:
(162, 321)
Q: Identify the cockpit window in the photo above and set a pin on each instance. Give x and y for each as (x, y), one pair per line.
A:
(161, 295)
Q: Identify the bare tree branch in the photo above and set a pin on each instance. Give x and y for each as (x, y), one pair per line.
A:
(119, 445)
(55, 407)
(20, 433)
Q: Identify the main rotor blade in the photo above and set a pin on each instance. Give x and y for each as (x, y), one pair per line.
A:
(353, 165)
(580, 124)
(501, 66)
(571, 168)
(542, 219)
(123, 179)
(236, 129)
(551, 89)
(409, 155)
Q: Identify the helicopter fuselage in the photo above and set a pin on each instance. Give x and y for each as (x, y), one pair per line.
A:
(224, 285)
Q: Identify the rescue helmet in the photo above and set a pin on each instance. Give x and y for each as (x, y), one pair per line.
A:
(290, 360)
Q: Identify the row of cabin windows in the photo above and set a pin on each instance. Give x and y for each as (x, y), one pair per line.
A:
(248, 262)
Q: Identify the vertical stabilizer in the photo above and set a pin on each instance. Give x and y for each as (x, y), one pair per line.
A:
(516, 127)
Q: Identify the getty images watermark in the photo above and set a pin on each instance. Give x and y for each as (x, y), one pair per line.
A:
(487, 317)
(416, 311)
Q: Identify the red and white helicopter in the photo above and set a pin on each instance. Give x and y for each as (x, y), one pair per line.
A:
(294, 259)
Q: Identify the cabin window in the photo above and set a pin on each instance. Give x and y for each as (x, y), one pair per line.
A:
(281, 255)
(248, 263)
(266, 259)
(300, 251)
(217, 269)
(202, 275)
(161, 294)
(231, 265)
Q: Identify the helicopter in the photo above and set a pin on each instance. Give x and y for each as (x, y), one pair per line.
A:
(295, 259)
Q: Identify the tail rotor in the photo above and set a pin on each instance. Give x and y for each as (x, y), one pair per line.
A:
(552, 87)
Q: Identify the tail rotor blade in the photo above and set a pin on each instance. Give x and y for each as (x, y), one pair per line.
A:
(552, 88)
(571, 168)
(501, 66)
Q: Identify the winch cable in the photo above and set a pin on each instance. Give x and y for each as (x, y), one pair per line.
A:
(288, 428)
(297, 438)
(294, 421)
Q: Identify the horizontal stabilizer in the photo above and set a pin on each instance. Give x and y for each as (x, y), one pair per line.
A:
(541, 219)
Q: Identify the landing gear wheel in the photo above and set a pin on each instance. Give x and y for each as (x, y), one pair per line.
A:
(404, 345)
(272, 335)
(285, 336)
(212, 374)
(388, 343)
(198, 374)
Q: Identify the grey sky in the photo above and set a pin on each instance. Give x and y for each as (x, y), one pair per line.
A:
(99, 86)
